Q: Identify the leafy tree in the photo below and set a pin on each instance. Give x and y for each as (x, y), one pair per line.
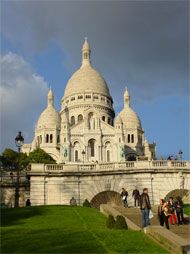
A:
(40, 156)
(11, 159)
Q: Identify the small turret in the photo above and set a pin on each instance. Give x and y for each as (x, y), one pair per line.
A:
(85, 53)
(50, 98)
(126, 98)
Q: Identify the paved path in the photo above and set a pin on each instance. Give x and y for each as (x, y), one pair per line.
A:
(134, 214)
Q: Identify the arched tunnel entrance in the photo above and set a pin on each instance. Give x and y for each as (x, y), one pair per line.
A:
(106, 197)
(182, 193)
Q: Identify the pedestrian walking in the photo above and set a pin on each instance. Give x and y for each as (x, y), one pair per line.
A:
(145, 207)
(136, 196)
(179, 211)
(124, 195)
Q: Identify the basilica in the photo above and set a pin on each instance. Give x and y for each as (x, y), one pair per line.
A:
(86, 129)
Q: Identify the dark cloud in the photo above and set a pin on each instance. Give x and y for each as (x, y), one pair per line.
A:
(140, 43)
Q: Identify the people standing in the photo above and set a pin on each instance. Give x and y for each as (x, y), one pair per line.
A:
(179, 211)
(145, 207)
(124, 195)
(172, 218)
(163, 213)
(136, 196)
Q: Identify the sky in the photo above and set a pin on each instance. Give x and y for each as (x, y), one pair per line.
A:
(143, 45)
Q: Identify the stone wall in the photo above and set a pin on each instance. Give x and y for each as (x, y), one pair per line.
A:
(52, 185)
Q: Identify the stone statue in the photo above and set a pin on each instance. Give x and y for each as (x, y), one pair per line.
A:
(65, 152)
(182, 181)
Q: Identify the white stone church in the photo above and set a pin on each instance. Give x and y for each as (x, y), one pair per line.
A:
(86, 129)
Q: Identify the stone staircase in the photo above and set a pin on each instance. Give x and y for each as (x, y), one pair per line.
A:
(134, 214)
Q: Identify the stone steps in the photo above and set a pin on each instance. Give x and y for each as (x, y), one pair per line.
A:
(134, 214)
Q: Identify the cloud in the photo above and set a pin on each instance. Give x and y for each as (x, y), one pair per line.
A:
(140, 43)
(23, 96)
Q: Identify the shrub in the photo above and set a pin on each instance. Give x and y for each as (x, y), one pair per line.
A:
(120, 223)
(110, 222)
(86, 203)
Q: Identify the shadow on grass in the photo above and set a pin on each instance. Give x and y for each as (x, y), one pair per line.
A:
(53, 241)
(15, 216)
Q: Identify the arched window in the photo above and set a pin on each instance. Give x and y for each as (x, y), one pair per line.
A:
(109, 120)
(85, 55)
(65, 139)
(132, 138)
(76, 155)
(103, 118)
(128, 138)
(72, 120)
(80, 118)
(91, 144)
(40, 139)
(47, 138)
(108, 155)
(51, 138)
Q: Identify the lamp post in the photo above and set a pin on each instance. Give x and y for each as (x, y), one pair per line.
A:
(19, 140)
(180, 154)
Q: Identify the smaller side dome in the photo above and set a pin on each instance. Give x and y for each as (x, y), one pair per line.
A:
(118, 120)
(128, 117)
(49, 117)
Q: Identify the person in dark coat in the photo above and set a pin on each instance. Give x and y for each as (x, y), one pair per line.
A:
(28, 203)
(136, 196)
(163, 213)
(179, 210)
(124, 195)
(145, 207)
(172, 218)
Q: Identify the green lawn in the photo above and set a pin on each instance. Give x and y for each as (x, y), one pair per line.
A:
(64, 229)
(187, 209)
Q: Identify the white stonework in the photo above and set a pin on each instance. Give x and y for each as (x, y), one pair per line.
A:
(85, 130)
(95, 152)
(58, 183)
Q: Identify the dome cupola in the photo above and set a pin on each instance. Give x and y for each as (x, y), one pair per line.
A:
(86, 79)
(128, 117)
(49, 117)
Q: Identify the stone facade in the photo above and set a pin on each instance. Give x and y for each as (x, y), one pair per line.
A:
(85, 129)
(57, 184)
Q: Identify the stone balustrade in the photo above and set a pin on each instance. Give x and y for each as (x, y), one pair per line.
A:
(100, 167)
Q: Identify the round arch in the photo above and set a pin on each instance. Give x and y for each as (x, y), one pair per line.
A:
(177, 193)
(106, 197)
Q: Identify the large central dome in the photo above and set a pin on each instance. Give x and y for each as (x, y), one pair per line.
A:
(86, 78)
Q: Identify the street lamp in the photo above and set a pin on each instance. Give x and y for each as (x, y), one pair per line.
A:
(180, 154)
(19, 140)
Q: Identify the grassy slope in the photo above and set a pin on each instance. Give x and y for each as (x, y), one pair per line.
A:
(60, 229)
